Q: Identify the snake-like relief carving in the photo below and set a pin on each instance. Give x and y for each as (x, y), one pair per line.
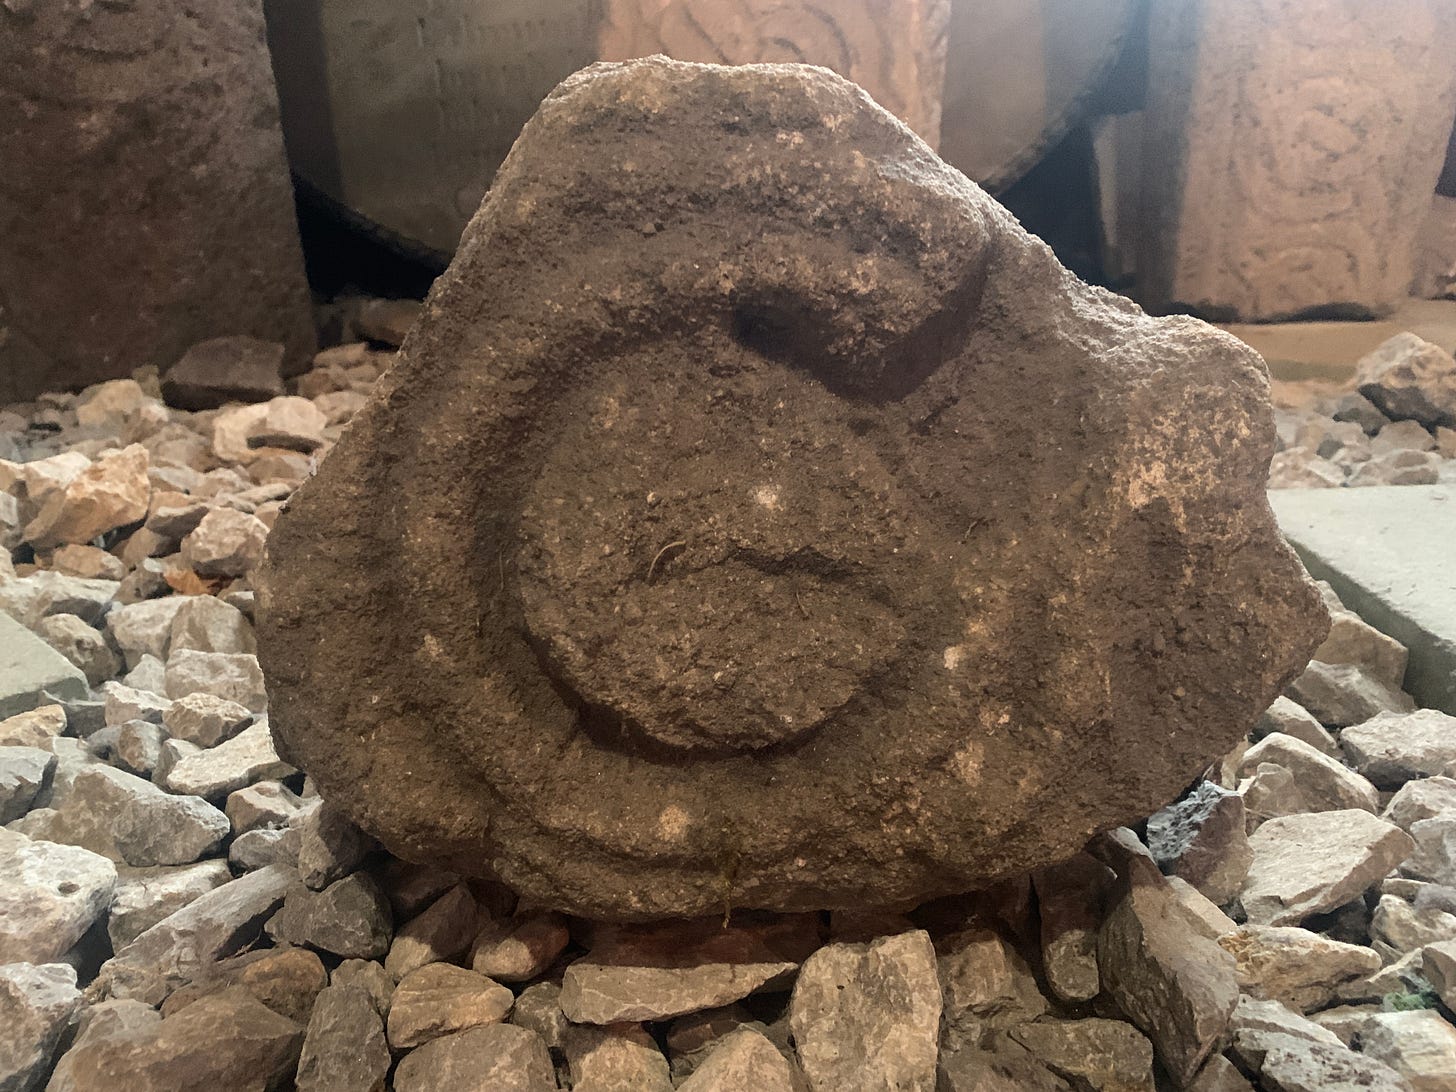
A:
(758, 516)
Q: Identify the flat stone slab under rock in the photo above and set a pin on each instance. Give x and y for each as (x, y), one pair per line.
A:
(1385, 551)
(670, 670)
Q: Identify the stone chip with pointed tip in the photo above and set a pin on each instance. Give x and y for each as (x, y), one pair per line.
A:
(759, 517)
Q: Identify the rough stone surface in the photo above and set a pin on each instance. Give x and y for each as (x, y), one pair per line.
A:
(144, 896)
(1202, 839)
(868, 1015)
(205, 719)
(1294, 1063)
(500, 1058)
(1294, 720)
(224, 369)
(440, 933)
(30, 669)
(1422, 799)
(80, 643)
(619, 1058)
(1297, 967)
(1311, 864)
(1321, 782)
(344, 1049)
(1070, 902)
(36, 1004)
(1108, 1055)
(23, 771)
(1391, 749)
(49, 896)
(110, 493)
(520, 950)
(211, 927)
(657, 973)
(1420, 1046)
(149, 205)
(349, 918)
(287, 980)
(1279, 186)
(234, 676)
(712, 781)
(1409, 379)
(228, 1040)
(439, 999)
(1344, 694)
(225, 543)
(232, 765)
(1434, 858)
(1174, 983)
(742, 1059)
(130, 820)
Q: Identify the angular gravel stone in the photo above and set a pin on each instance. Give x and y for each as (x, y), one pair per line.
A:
(1175, 984)
(615, 1059)
(225, 543)
(110, 493)
(368, 976)
(653, 973)
(1107, 1055)
(765, 768)
(1294, 966)
(126, 703)
(29, 670)
(205, 719)
(500, 1058)
(1253, 1014)
(49, 896)
(182, 945)
(231, 675)
(144, 629)
(1220, 1075)
(742, 1059)
(1419, 1045)
(44, 593)
(1293, 1063)
(287, 980)
(224, 369)
(1342, 694)
(83, 645)
(228, 1040)
(331, 846)
(87, 562)
(439, 999)
(1202, 839)
(36, 1005)
(1352, 640)
(1071, 898)
(266, 804)
(1311, 864)
(1391, 749)
(350, 918)
(1397, 928)
(144, 896)
(234, 764)
(23, 772)
(1434, 858)
(1408, 378)
(868, 1015)
(1294, 720)
(260, 848)
(128, 819)
(983, 976)
(35, 729)
(538, 1007)
(207, 624)
(1323, 783)
(1422, 799)
(521, 949)
(439, 934)
(139, 746)
(1438, 964)
(344, 1049)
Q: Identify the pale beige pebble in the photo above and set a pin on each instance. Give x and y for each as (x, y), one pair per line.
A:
(1300, 968)
(338, 406)
(440, 998)
(34, 728)
(1446, 441)
(43, 477)
(109, 404)
(110, 493)
(205, 623)
(1419, 1045)
(173, 515)
(291, 423)
(145, 628)
(241, 761)
(225, 542)
(87, 562)
(231, 429)
(80, 643)
(617, 1058)
(743, 1059)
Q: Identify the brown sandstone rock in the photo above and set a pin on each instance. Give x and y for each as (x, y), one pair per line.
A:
(145, 203)
(706, 548)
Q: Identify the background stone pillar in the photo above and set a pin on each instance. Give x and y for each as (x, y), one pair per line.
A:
(145, 202)
(1292, 148)
(894, 49)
